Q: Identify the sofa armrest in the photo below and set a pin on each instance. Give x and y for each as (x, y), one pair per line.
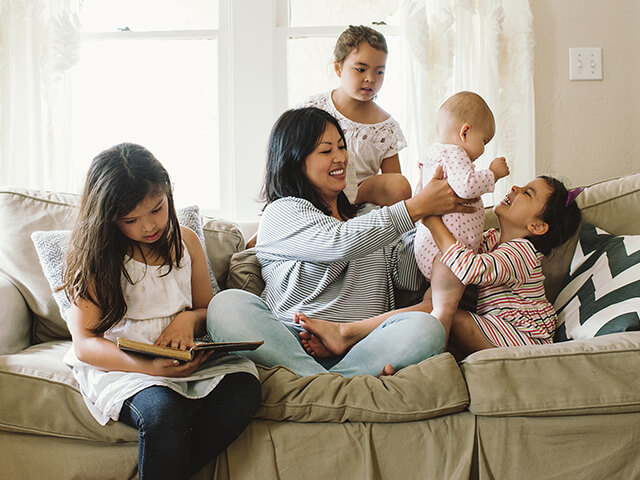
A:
(15, 319)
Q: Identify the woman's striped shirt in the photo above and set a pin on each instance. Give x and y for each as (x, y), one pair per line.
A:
(511, 289)
(333, 270)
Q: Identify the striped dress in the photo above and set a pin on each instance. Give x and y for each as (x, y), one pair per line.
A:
(512, 306)
(333, 270)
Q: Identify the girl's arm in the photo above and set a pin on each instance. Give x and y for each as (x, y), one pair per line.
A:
(94, 349)
(187, 325)
(391, 164)
(510, 263)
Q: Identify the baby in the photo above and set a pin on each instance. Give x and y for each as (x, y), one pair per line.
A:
(465, 124)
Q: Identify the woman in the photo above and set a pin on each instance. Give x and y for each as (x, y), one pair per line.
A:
(321, 258)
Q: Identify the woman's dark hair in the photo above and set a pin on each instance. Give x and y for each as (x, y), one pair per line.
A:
(119, 178)
(563, 218)
(294, 136)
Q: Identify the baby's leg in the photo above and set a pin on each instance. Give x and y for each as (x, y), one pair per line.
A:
(384, 189)
(446, 291)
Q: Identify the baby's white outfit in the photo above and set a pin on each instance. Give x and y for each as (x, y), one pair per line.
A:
(149, 298)
(467, 183)
(368, 143)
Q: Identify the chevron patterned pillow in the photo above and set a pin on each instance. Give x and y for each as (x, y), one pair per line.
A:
(602, 293)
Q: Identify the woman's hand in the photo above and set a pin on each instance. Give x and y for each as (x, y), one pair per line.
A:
(179, 333)
(436, 198)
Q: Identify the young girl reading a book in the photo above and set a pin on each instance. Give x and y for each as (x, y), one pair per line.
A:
(133, 271)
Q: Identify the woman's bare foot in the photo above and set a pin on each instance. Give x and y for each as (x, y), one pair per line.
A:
(333, 336)
(387, 371)
(314, 346)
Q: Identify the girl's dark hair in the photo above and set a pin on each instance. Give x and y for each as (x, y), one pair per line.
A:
(294, 136)
(354, 36)
(118, 179)
(563, 219)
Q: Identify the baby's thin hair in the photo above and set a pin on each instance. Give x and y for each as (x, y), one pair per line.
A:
(354, 36)
(118, 179)
(468, 107)
(562, 218)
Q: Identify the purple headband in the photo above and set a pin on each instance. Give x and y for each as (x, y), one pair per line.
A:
(572, 194)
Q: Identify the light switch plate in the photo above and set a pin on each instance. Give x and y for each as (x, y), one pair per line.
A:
(585, 63)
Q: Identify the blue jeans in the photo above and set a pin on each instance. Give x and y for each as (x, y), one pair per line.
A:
(178, 436)
(401, 340)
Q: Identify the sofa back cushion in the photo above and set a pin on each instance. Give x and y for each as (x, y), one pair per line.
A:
(21, 213)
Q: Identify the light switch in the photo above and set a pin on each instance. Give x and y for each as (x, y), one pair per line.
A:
(585, 63)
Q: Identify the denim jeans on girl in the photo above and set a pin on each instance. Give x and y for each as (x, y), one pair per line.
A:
(178, 436)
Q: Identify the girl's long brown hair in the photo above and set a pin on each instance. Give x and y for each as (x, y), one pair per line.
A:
(119, 178)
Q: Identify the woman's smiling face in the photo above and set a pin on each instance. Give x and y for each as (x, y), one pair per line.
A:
(326, 166)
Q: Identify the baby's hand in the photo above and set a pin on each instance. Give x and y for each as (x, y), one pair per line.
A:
(499, 167)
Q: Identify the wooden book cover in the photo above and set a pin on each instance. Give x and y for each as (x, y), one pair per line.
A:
(183, 355)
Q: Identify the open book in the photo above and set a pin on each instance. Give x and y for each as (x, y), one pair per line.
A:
(183, 355)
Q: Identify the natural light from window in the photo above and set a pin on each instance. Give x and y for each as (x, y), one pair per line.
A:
(148, 74)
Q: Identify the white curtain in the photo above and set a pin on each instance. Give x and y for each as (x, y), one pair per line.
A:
(39, 42)
(485, 46)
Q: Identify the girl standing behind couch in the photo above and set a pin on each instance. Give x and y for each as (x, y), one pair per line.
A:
(373, 137)
(133, 271)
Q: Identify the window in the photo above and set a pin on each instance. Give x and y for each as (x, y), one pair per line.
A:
(148, 74)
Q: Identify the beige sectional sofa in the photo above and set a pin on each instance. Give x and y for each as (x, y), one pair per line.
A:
(567, 410)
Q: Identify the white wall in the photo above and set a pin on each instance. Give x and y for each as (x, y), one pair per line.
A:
(587, 131)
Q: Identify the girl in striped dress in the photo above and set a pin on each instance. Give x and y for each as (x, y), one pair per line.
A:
(512, 306)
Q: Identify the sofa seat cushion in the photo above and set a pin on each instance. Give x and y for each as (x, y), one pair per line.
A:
(592, 376)
(432, 388)
(40, 396)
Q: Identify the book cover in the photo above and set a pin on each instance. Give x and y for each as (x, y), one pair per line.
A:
(183, 355)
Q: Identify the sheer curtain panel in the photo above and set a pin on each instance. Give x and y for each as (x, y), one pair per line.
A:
(39, 41)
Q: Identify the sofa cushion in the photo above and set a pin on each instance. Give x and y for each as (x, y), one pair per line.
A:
(602, 292)
(223, 239)
(21, 213)
(40, 396)
(432, 388)
(592, 376)
(245, 272)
